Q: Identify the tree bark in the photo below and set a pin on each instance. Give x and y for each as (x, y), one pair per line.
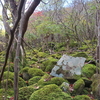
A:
(22, 30)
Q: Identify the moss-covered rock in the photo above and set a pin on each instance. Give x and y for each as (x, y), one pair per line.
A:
(25, 92)
(49, 64)
(21, 82)
(7, 83)
(25, 74)
(35, 72)
(81, 97)
(56, 56)
(96, 86)
(65, 87)
(9, 75)
(34, 80)
(88, 70)
(9, 93)
(41, 54)
(47, 79)
(73, 44)
(50, 92)
(78, 86)
(84, 47)
(10, 67)
(81, 54)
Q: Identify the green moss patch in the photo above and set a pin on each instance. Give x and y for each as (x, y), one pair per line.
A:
(35, 72)
(81, 97)
(34, 80)
(78, 86)
(50, 92)
(88, 70)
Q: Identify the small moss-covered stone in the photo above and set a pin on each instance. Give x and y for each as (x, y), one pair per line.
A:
(81, 97)
(35, 72)
(88, 70)
(78, 86)
(25, 92)
(34, 80)
(50, 92)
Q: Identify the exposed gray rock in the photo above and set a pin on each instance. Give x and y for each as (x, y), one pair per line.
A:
(68, 66)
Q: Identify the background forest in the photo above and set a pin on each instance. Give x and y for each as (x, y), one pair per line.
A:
(32, 41)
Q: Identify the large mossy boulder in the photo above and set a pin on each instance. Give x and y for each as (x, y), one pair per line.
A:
(34, 80)
(96, 86)
(50, 92)
(88, 70)
(78, 87)
(35, 72)
(47, 79)
(25, 92)
(81, 97)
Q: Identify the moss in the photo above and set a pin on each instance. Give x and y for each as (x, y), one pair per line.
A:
(10, 67)
(96, 85)
(49, 64)
(57, 80)
(9, 75)
(65, 87)
(50, 92)
(78, 86)
(84, 47)
(56, 56)
(81, 97)
(73, 44)
(7, 83)
(88, 70)
(34, 59)
(81, 54)
(24, 73)
(62, 49)
(35, 72)
(25, 69)
(25, 92)
(47, 79)
(21, 82)
(41, 54)
(34, 80)
(9, 93)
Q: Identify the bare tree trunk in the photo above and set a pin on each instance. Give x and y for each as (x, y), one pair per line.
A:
(22, 30)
